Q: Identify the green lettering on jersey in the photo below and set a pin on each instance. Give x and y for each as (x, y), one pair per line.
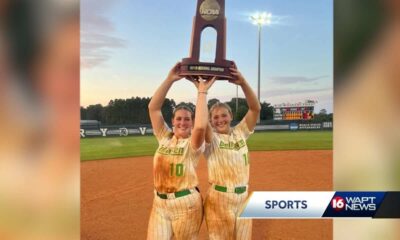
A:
(232, 145)
(176, 151)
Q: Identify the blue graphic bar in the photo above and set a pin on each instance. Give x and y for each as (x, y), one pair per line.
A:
(313, 204)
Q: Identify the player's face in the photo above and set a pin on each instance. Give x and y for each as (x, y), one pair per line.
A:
(221, 120)
(182, 123)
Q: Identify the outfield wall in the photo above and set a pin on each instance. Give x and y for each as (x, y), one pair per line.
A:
(132, 130)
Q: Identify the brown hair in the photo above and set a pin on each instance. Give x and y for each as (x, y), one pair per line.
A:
(220, 105)
(183, 106)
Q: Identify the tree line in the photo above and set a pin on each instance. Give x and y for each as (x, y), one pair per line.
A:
(135, 110)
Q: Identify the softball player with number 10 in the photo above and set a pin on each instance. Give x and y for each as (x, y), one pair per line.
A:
(177, 207)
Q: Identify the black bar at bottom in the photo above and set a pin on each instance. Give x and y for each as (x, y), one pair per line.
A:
(390, 206)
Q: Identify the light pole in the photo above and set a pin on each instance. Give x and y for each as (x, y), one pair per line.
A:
(260, 19)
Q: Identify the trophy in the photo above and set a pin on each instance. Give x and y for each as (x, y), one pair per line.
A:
(209, 13)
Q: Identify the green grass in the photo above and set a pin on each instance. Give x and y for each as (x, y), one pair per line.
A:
(116, 147)
(133, 146)
(284, 140)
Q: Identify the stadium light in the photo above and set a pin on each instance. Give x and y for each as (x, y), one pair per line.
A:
(260, 19)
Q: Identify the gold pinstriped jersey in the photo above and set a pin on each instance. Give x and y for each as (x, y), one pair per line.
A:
(227, 157)
(175, 162)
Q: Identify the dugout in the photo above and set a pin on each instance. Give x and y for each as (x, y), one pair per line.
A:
(90, 124)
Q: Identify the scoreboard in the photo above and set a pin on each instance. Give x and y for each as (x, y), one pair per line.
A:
(294, 111)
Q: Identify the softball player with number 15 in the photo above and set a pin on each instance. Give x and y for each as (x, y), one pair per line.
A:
(228, 166)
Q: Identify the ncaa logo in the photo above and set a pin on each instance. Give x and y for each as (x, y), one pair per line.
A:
(338, 203)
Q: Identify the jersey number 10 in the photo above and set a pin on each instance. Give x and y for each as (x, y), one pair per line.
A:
(176, 170)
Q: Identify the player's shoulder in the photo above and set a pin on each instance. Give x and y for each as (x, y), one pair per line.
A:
(242, 129)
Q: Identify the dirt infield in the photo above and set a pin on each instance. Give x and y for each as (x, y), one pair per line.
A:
(116, 195)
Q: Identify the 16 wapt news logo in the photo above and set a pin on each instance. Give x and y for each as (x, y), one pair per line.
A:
(354, 204)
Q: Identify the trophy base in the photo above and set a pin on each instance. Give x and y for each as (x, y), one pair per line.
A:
(190, 68)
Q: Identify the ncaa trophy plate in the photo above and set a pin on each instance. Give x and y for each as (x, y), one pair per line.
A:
(209, 13)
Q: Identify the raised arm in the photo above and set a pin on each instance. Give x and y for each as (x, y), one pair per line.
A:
(156, 102)
(251, 98)
(201, 116)
(209, 131)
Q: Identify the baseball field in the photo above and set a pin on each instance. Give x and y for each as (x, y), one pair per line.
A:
(116, 195)
(134, 146)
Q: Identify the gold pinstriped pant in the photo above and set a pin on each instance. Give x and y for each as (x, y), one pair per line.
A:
(178, 218)
(221, 214)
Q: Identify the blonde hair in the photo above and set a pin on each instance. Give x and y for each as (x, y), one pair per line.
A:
(220, 105)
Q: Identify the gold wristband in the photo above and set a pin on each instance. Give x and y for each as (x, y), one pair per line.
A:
(202, 92)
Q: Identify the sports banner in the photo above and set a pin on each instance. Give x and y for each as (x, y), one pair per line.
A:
(322, 205)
